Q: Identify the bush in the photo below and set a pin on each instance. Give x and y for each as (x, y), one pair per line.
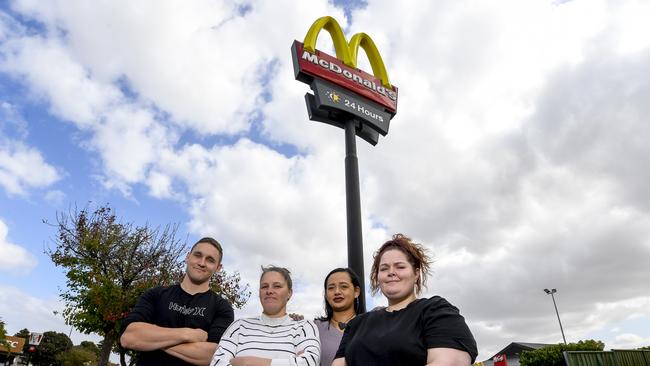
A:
(78, 356)
(552, 355)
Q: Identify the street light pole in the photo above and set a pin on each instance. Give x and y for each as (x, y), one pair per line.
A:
(551, 292)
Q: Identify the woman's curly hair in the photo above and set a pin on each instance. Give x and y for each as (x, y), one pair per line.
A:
(416, 254)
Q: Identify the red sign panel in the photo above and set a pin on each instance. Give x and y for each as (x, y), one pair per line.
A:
(324, 66)
(500, 360)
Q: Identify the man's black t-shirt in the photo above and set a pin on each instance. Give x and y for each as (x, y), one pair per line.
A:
(172, 307)
(403, 337)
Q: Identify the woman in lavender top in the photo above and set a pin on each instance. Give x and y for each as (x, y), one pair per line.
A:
(342, 290)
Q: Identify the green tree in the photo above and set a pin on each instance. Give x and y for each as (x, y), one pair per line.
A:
(552, 355)
(78, 356)
(124, 354)
(109, 264)
(24, 333)
(51, 349)
(92, 347)
(4, 346)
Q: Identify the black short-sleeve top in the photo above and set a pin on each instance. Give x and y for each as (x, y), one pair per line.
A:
(403, 337)
(172, 307)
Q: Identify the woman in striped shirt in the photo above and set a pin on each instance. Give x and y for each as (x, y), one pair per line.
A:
(273, 338)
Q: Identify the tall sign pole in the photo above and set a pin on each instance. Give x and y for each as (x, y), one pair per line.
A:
(349, 98)
(353, 206)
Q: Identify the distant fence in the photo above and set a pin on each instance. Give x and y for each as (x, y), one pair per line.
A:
(608, 358)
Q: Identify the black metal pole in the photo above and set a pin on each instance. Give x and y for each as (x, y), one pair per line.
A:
(558, 317)
(353, 206)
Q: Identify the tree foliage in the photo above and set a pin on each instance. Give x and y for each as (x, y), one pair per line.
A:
(552, 355)
(229, 286)
(126, 353)
(90, 346)
(109, 264)
(24, 333)
(52, 347)
(3, 337)
(78, 356)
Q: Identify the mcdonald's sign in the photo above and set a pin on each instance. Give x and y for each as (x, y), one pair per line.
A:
(310, 63)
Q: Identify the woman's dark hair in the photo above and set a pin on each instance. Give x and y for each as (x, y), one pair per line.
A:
(359, 308)
(281, 270)
(415, 253)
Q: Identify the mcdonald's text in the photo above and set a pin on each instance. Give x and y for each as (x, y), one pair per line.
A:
(348, 74)
(319, 64)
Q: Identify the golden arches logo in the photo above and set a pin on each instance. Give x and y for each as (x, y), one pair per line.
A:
(347, 52)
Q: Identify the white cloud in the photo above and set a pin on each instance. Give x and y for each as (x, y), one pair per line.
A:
(159, 185)
(629, 341)
(250, 195)
(200, 62)
(22, 310)
(130, 140)
(11, 120)
(23, 167)
(190, 67)
(73, 96)
(55, 197)
(124, 133)
(14, 259)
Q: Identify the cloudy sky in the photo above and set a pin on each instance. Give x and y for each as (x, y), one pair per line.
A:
(518, 155)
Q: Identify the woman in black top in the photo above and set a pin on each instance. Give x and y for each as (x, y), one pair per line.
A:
(410, 331)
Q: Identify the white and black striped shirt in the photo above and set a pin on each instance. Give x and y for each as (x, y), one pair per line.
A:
(285, 341)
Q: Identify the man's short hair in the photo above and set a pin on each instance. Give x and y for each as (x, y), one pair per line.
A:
(211, 241)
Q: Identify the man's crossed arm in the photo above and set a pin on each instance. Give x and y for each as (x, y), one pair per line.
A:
(188, 344)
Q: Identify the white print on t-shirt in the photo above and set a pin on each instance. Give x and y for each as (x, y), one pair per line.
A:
(196, 311)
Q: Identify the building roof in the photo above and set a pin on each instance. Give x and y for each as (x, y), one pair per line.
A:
(515, 348)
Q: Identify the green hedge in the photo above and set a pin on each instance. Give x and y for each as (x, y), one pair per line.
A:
(552, 355)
